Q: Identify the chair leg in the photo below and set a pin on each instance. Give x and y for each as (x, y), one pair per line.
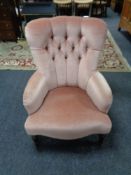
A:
(119, 28)
(90, 10)
(35, 139)
(105, 11)
(101, 139)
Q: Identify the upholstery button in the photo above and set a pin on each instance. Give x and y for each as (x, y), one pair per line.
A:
(79, 58)
(80, 36)
(86, 48)
(66, 37)
(53, 58)
(59, 47)
(46, 47)
(65, 57)
(73, 48)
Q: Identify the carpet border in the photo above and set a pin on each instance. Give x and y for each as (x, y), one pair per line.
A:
(121, 57)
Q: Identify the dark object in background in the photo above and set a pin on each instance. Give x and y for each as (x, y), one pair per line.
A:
(117, 5)
(125, 20)
(108, 3)
(100, 8)
(35, 9)
(9, 21)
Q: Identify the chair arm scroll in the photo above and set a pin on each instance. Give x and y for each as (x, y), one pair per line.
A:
(35, 92)
(99, 92)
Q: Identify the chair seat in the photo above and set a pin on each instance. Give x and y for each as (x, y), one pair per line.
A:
(67, 113)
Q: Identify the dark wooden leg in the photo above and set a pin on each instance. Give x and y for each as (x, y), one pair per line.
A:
(37, 143)
(105, 11)
(101, 139)
(119, 28)
(35, 140)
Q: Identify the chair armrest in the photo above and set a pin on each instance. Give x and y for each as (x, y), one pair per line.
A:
(99, 92)
(35, 92)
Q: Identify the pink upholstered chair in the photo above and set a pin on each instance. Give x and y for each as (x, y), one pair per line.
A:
(67, 98)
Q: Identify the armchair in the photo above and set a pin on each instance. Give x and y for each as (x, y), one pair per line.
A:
(67, 98)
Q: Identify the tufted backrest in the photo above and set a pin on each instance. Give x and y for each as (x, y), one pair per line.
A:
(66, 49)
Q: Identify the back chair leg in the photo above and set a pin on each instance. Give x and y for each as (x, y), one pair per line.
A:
(35, 139)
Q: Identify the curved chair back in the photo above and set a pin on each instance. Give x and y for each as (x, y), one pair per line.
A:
(64, 48)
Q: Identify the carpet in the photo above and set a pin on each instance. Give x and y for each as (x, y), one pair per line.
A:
(18, 155)
(122, 38)
(17, 56)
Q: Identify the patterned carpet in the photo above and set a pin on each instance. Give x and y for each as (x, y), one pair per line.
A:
(17, 56)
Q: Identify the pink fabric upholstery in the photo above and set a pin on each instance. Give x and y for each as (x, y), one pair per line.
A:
(65, 51)
(35, 92)
(100, 92)
(67, 113)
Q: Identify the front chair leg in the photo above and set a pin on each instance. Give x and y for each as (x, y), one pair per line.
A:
(101, 139)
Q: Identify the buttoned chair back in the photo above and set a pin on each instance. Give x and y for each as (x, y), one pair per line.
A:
(66, 49)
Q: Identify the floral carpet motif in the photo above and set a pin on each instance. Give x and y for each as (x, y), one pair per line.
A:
(17, 56)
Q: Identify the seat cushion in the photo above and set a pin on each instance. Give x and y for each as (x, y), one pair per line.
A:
(67, 113)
